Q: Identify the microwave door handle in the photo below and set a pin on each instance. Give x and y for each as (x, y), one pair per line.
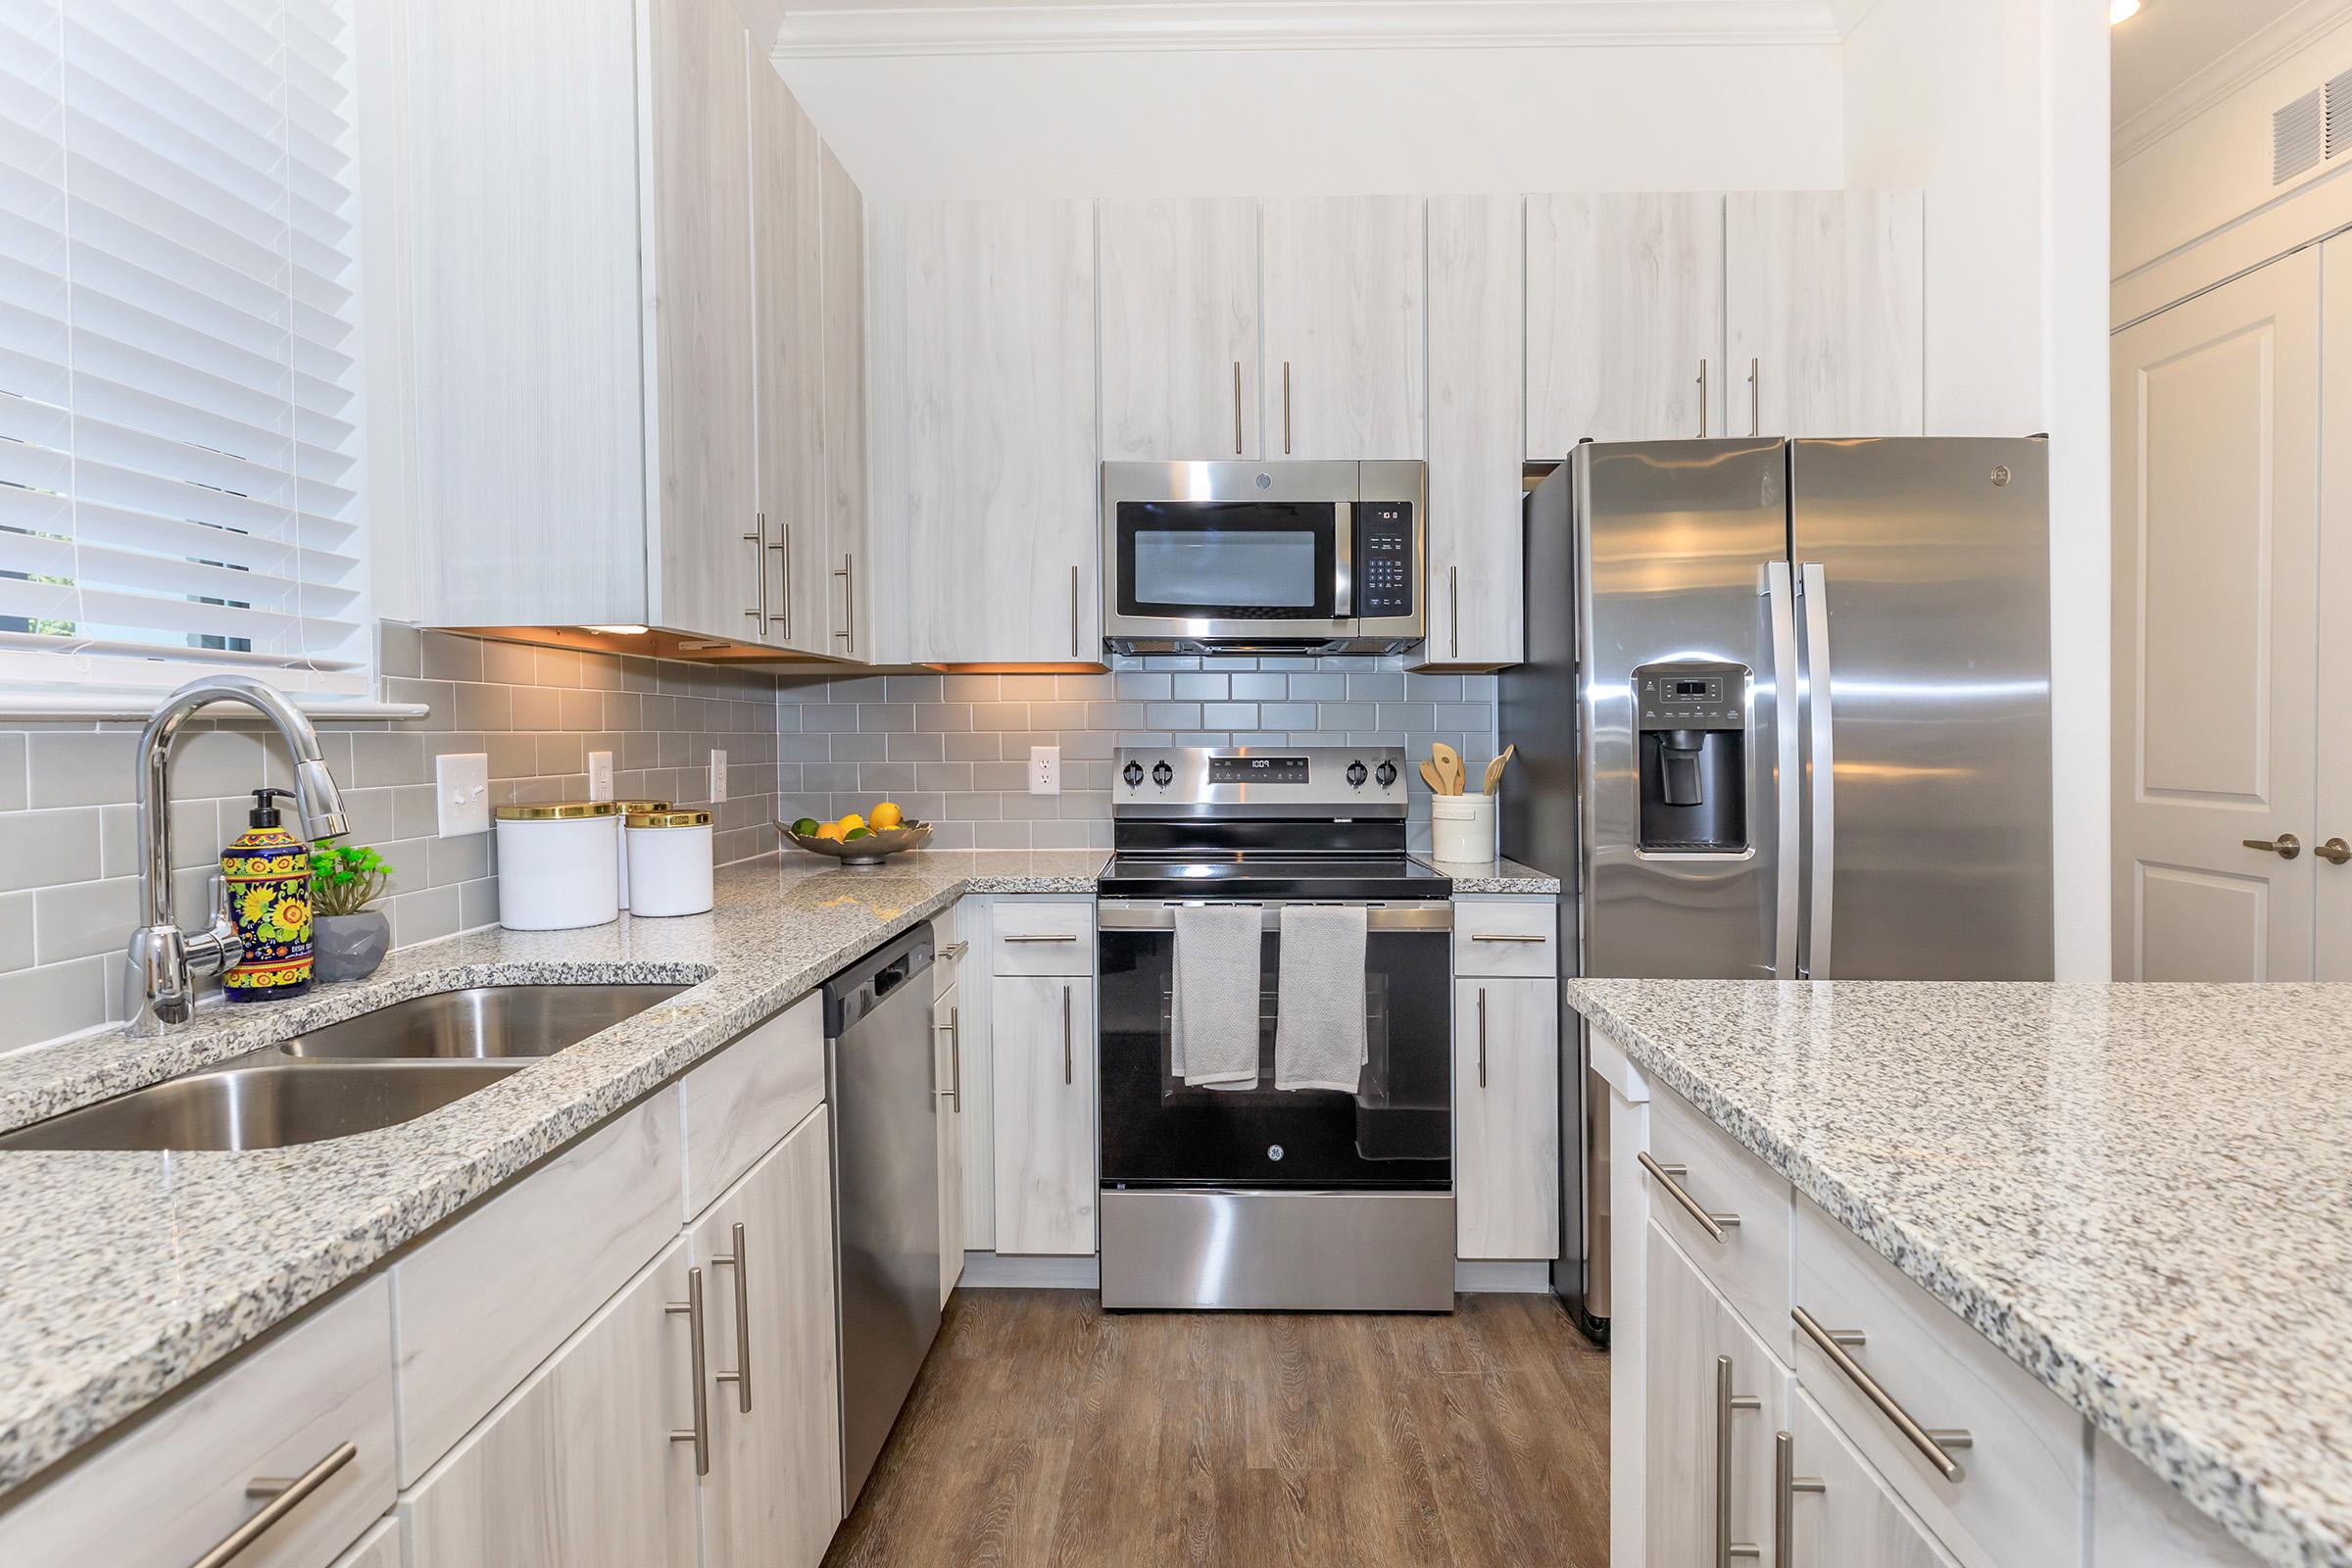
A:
(1342, 560)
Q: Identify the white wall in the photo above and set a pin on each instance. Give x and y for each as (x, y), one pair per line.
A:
(1998, 110)
(1329, 121)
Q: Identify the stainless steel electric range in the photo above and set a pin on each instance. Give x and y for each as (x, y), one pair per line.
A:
(1258, 1198)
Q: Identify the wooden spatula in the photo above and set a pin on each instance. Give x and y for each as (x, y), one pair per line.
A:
(1450, 766)
(1495, 767)
(1430, 777)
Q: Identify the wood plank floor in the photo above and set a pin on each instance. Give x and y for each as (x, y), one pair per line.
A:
(1047, 1432)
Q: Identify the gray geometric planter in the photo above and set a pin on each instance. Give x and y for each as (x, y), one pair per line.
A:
(348, 947)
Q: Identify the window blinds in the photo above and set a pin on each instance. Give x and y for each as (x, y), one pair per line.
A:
(178, 395)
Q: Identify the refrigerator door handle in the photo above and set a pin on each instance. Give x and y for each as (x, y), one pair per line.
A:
(1813, 590)
(1780, 604)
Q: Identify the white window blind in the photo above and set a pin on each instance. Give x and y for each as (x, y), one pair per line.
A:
(178, 398)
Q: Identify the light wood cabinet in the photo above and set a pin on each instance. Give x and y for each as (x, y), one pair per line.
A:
(1624, 319)
(996, 394)
(1506, 1118)
(946, 1040)
(848, 625)
(1842, 1513)
(1179, 365)
(1476, 430)
(773, 1496)
(1715, 1399)
(577, 1468)
(1042, 1031)
(378, 1549)
(787, 249)
(1825, 313)
(1345, 369)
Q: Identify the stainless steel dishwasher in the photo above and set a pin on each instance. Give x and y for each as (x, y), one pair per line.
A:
(879, 1072)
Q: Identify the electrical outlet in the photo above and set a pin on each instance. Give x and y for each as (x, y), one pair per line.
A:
(461, 792)
(1044, 770)
(719, 778)
(600, 775)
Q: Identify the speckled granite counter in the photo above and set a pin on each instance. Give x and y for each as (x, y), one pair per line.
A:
(1494, 876)
(121, 1275)
(2139, 1193)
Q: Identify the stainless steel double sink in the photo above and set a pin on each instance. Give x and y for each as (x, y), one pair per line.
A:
(377, 1069)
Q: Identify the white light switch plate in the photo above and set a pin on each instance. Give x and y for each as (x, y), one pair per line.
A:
(461, 792)
(1044, 770)
(719, 778)
(600, 775)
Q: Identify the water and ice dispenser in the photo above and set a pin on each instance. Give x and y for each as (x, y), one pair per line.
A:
(1693, 722)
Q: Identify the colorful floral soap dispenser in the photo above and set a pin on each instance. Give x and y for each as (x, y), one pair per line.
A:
(269, 875)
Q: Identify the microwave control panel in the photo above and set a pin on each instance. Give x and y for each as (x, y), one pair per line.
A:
(1383, 560)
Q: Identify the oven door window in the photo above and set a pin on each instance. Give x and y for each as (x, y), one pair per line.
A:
(1227, 560)
(1396, 1131)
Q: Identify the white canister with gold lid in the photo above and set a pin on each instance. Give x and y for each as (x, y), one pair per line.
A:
(669, 862)
(555, 864)
(620, 842)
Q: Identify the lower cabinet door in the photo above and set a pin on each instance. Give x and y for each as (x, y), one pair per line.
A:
(946, 1040)
(1506, 1118)
(1042, 1028)
(1839, 1512)
(577, 1468)
(1715, 1397)
(773, 1498)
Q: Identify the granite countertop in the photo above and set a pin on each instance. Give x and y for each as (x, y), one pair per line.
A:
(1493, 876)
(2139, 1193)
(123, 1275)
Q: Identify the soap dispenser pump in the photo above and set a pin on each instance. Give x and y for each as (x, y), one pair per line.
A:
(268, 870)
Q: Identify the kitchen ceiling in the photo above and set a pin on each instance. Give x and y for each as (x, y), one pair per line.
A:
(2172, 41)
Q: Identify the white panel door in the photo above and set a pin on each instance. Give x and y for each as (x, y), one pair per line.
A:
(1477, 429)
(1713, 1399)
(1179, 351)
(1346, 349)
(1002, 478)
(1042, 1028)
(2216, 411)
(2332, 824)
(1848, 1517)
(1624, 319)
(1826, 311)
(1506, 1118)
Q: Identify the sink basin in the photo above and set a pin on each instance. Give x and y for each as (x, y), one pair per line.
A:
(263, 1103)
(485, 1023)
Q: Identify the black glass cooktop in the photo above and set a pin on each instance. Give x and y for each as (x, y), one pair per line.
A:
(1272, 876)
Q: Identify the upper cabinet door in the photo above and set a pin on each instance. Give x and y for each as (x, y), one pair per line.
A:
(787, 249)
(1477, 356)
(998, 562)
(709, 564)
(842, 562)
(1624, 319)
(1346, 373)
(1826, 319)
(1180, 371)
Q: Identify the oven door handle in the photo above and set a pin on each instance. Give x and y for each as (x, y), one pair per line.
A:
(1152, 914)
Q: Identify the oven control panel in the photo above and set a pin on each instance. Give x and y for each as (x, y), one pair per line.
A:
(1305, 781)
(1256, 769)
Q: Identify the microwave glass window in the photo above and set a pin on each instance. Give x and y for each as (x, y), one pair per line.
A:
(1211, 570)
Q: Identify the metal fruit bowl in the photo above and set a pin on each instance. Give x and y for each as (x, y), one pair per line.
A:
(873, 849)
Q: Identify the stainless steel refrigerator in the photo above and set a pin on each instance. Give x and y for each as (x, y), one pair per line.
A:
(1785, 714)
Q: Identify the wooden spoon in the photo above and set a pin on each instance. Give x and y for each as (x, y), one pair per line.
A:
(1450, 766)
(1430, 777)
(1495, 767)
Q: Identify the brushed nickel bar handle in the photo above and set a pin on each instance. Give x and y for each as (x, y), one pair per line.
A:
(956, 951)
(1068, 1062)
(1726, 1404)
(1755, 397)
(1039, 936)
(847, 571)
(284, 1497)
(1074, 613)
(759, 542)
(698, 1434)
(1482, 1037)
(1285, 407)
(2285, 845)
(782, 549)
(740, 1377)
(954, 1030)
(1933, 1446)
(1786, 1484)
(1715, 1225)
(1509, 936)
(1453, 607)
(1702, 400)
(1237, 408)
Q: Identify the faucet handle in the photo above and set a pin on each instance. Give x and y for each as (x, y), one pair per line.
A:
(220, 945)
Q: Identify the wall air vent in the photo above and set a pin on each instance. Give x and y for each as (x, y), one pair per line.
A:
(2339, 112)
(2295, 135)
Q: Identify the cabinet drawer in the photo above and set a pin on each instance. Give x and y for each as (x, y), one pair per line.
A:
(1043, 939)
(1503, 941)
(1749, 1264)
(173, 1487)
(739, 1104)
(2017, 1501)
(487, 1299)
(947, 948)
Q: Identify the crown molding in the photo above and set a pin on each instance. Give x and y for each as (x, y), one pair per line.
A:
(1154, 25)
(2225, 73)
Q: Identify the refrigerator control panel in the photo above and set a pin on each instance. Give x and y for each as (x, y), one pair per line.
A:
(1690, 696)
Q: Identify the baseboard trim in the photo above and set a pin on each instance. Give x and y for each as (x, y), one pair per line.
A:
(1486, 1276)
(1013, 1271)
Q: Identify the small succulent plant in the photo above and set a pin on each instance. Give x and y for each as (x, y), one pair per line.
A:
(346, 878)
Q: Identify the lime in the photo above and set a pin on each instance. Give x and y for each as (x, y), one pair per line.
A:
(856, 833)
(806, 827)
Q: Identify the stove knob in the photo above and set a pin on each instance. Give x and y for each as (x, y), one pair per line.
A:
(1134, 775)
(1357, 775)
(1387, 774)
(1163, 775)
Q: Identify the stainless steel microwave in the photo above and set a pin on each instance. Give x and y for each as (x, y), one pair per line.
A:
(1291, 557)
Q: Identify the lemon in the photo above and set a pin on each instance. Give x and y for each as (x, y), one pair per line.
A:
(829, 830)
(887, 815)
(806, 827)
(851, 820)
(856, 833)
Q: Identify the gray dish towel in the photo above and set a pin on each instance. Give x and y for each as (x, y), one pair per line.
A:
(1319, 1034)
(1212, 1023)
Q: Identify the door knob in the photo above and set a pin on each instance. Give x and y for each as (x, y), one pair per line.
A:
(2335, 852)
(2285, 845)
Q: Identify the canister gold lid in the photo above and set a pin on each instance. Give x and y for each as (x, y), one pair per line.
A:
(633, 807)
(557, 811)
(669, 819)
